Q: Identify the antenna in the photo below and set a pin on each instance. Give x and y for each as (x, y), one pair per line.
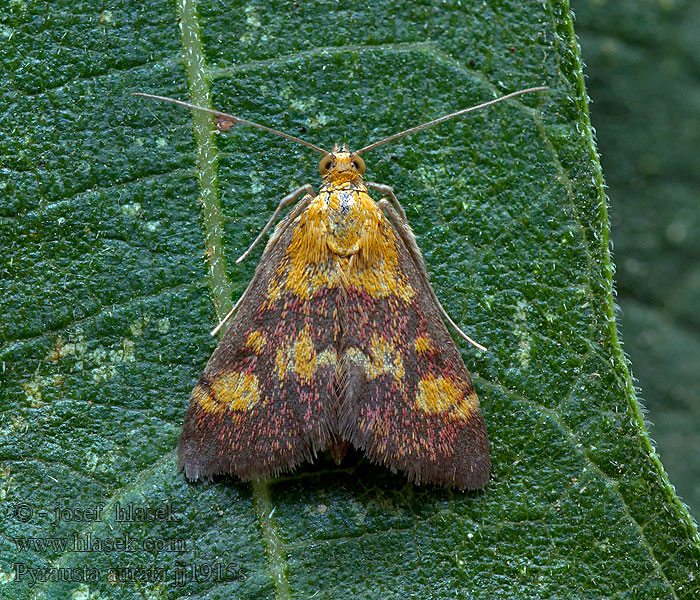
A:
(448, 117)
(226, 121)
(222, 117)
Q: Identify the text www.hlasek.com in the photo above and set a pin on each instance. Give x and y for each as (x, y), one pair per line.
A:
(90, 543)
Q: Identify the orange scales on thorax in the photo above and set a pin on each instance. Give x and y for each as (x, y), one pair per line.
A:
(342, 239)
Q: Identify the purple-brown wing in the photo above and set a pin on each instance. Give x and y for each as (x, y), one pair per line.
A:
(407, 400)
(266, 400)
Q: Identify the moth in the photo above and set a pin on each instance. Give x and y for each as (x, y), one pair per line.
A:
(337, 341)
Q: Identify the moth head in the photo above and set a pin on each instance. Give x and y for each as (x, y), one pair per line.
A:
(341, 165)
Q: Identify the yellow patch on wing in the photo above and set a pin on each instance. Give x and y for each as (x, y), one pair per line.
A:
(342, 240)
(440, 395)
(304, 357)
(230, 392)
(200, 396)
(300, 357)
(384, 358)
(274, 290)
(256, 341)
(423, 344)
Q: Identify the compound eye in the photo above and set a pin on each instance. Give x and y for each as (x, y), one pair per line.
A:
(359, 164)
(325, 165)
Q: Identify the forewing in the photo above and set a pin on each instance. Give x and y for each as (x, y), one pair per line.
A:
(407, 399)
(264, 402)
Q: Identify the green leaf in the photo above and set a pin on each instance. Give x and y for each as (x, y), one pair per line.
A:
(642, 76)
(110, 267)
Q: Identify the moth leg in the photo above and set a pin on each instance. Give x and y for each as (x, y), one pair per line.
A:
(289, 219)
(288, 199)
(409, 239)
(216, 329)
(387, 190)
